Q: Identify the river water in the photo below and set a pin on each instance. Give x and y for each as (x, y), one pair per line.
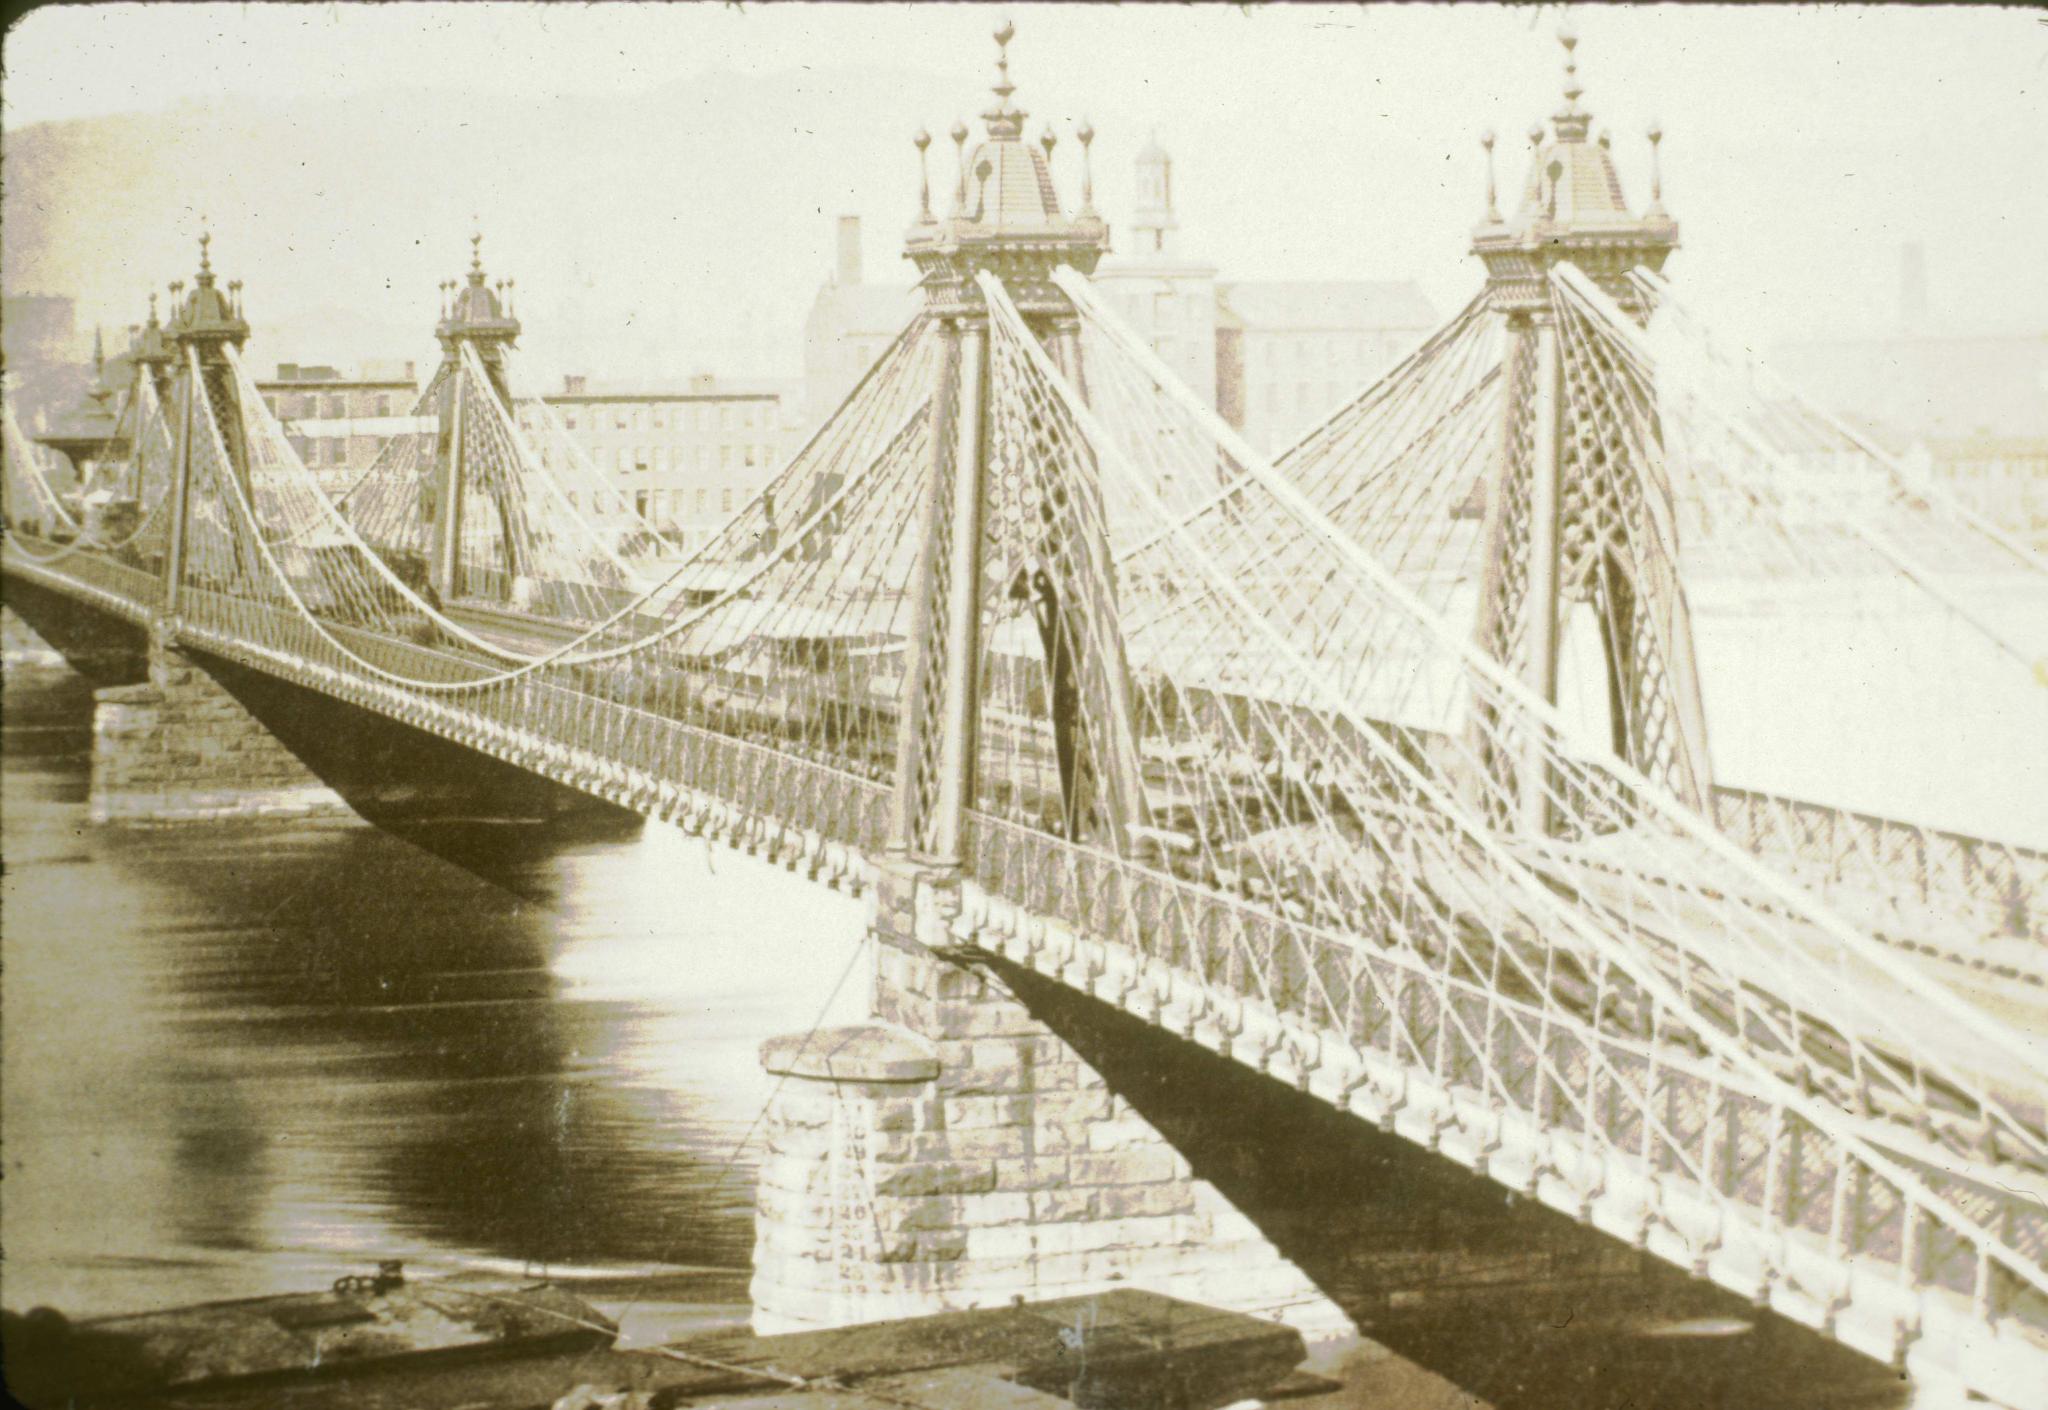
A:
(243, 1059)
(246, 1058)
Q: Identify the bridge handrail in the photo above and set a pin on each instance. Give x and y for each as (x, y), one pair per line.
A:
(1299, 972)
(2002, 877)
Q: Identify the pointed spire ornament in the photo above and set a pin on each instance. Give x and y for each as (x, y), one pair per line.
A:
(1656, 136)
(921, 141)
(1005, 120)
(959, 135)
(1492, 198)
(1086, 137)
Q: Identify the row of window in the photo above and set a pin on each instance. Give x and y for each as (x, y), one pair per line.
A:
(358, 451)
(1338, 350)
(659, 505)
(331, 406)
(1307, 396)
(675, 459)
(701, 416)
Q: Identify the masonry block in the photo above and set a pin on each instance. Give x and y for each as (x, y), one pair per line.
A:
(957, 1153)
(179, 748)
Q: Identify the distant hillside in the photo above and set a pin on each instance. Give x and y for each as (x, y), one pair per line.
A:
(684, 229)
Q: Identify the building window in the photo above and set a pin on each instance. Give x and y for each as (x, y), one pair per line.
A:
(725, 457)
(619, 458)
(640, 503)
(725, 500)
(572, 499)
(702, 496)
(568, 420)
(1162, 306)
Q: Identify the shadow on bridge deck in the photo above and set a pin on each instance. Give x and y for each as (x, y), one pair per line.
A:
(1504, 1299)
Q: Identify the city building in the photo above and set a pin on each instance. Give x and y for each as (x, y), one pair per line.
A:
(1168, 299)
(1289, 353)
(339, 425)
(850, 325)
(687, 455)
(1274, 358)
(1971, 408)
(48, 362)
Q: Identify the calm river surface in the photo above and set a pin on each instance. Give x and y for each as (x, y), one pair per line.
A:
(243, 1059)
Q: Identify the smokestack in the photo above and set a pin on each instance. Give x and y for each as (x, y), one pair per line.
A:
(849, 249)
(1913, 286)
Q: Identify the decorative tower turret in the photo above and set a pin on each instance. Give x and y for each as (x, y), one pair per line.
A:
(474, 316)
(1153, 222)
(90, 433)
(153, 355)
(1006, 219)
(1565, 514)
(204, 325)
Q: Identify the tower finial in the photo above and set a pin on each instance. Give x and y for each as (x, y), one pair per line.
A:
(959, 136)
(1571, 120)
(99, 351)
(1005, 120)
(1492, 198)
(205, 259)
(921, 141)
(476, 257)
(1656, 135)
(1086, 137)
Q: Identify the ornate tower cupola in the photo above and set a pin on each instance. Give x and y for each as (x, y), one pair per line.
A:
(1006, 214)
(208, 322)
(204, 325)
(90, 431)
(479, 313)
(153, 353)
(1152, 218)
(210, 318)
(1571, 209)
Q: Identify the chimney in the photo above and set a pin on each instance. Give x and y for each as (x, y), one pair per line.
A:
(1913, 286)
(849, 250)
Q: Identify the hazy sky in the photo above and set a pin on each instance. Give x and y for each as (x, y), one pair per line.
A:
(1804, 146)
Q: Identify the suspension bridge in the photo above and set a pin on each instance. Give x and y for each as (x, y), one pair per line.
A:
(1292, 756)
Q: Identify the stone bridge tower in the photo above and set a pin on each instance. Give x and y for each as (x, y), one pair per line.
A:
(475, 316)
(204, 325)
(958, 1152)
(1569, 514)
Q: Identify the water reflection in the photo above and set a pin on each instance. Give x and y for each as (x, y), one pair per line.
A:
(244, 1058)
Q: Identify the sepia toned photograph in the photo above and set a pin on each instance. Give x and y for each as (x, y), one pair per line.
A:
(947, 706)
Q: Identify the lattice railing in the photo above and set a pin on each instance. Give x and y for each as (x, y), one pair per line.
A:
(1662, 1146)
(1996, 888)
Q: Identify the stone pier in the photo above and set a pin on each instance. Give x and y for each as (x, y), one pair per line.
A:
(956, 1153)
(179, 748)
